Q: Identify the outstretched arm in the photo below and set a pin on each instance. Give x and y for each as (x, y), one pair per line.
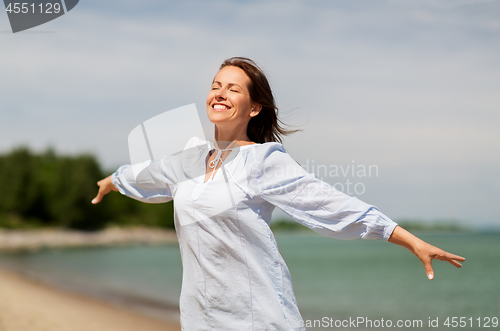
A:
(424, 251)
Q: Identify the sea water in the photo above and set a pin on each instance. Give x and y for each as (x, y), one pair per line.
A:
(341, 285)
(366, 280)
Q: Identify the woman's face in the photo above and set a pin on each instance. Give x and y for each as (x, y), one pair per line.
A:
(229, 100)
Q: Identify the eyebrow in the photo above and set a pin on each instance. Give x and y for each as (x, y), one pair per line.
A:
(230, 84)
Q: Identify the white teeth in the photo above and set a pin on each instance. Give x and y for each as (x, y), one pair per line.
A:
(219, 107)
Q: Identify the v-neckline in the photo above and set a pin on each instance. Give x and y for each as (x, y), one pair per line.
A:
(211, 177)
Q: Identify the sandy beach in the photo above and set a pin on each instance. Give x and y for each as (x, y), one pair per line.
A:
(26, 305)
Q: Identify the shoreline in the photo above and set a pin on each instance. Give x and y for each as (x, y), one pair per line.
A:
(32, 305)
(33, 240)
(168, 312)
(34, 302)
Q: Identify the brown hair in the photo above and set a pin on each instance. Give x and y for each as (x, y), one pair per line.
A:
(266, 126)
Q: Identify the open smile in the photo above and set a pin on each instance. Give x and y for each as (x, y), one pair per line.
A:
(219, 107)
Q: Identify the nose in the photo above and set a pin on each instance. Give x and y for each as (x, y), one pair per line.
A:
(220, 94)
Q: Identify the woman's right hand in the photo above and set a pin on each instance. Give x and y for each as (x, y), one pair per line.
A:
(105, 186)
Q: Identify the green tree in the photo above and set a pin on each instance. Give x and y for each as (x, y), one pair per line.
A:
(50, 190)
(21, 193)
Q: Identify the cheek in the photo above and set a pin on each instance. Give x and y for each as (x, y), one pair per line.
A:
(244, 104)
(209, 98)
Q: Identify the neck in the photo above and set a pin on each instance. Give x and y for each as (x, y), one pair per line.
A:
(225, 138)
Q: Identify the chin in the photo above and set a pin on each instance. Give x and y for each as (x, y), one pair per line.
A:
(216, 118)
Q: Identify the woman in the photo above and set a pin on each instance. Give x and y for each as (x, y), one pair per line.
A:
(233, 275)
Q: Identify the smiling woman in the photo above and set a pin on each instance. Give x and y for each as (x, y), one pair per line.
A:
(229, 104)
(234, 277)
(266, 127)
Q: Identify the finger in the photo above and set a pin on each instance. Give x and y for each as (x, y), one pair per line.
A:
(452, 258)
(428, 269)
(98, 198)
(457, 258)
(99, 195)
(456, 263)
(449, 256)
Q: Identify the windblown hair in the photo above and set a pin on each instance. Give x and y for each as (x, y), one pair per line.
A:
(266, 126)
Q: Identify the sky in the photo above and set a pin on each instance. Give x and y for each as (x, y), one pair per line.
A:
(407, 89)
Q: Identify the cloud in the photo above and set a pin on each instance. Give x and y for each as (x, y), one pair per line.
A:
(407, 85)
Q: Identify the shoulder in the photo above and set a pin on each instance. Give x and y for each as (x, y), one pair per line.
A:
(272, 154)
(267, 149)
(274, 167)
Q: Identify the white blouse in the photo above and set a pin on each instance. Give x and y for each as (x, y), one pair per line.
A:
(234, 277)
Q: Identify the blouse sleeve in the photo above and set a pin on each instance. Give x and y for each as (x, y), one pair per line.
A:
(316, 204)
(152, 184)
(156, 182)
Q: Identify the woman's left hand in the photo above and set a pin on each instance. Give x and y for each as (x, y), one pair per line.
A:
(424, 251)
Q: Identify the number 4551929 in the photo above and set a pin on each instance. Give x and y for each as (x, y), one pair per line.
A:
(25, 8)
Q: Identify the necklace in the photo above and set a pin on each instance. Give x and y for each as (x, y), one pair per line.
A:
(218, 158)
